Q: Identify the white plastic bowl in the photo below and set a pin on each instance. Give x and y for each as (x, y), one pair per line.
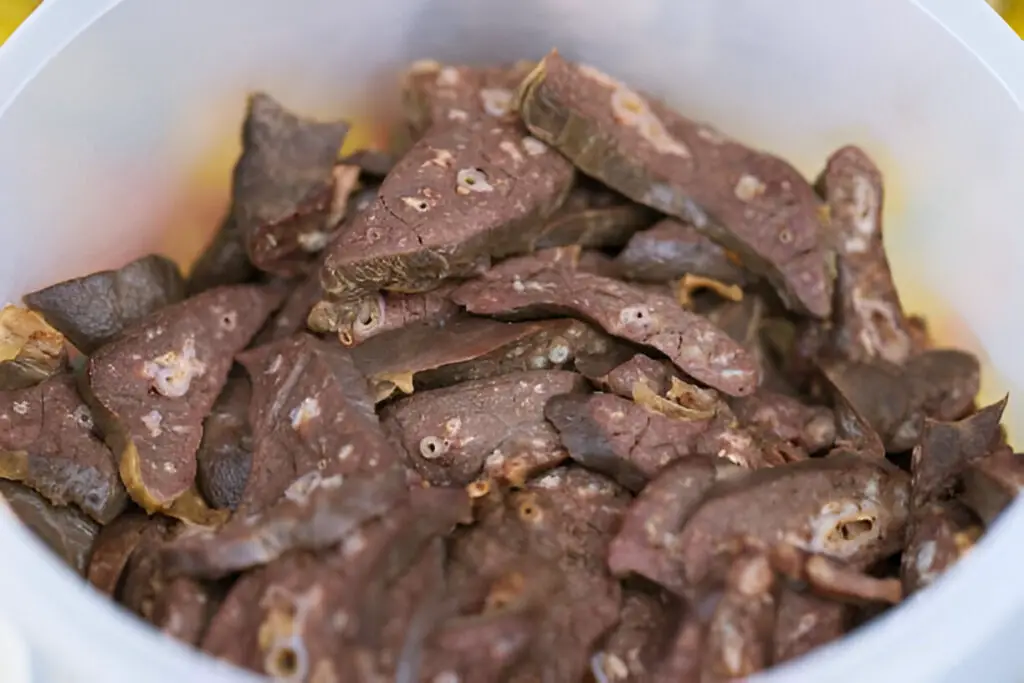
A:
(119, 122)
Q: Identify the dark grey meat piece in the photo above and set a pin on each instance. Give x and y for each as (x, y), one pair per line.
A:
(93, 309)
(285, 184)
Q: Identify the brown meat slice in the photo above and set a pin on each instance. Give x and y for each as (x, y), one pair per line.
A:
(620, 370)
(394, 360)
(833, 579)
(276, 620)
(895, 401)
(178, 606)
(291, 317)
(223, 261)
(48, 443)
(639, 639)
(342, 614)
(940, 534)
(91, 310)
(460, 198)
(947, 448)
(315, 513)
(804, 622)
(30, 350)
(284, 185)
(437, 95)
(739, 632)
(307, 292)
(654, 520)
(65, 530)
(670, 249)
(372, 162)
(593, 217)
(696, 346)
(311, 410)
(157, 382)
(613, 435)
(115, 545)
(388, 311)
(784, 418)
(407, 580)
(478, 647)
(684, 656)
(748, 322)
(555, 345)
(945, 382)
(992, 483)
(565, 519)
(845, 506)
(868, 321)
(225, 453)
(494, 427)
(467, 349)
(752, 203)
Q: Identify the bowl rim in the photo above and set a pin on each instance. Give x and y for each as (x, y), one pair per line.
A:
(889, 649)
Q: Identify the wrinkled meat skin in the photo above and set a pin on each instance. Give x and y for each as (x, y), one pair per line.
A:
(392, 311)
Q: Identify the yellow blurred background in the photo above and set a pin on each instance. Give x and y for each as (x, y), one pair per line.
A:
(12, 13)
